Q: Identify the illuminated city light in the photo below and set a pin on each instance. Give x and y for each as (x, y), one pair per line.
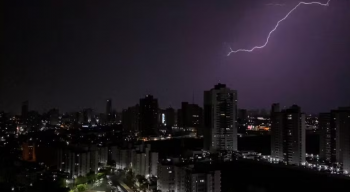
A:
(275, 28)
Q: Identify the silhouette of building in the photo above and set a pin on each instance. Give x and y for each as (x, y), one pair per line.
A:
(28, 152)
(130, 119)
(148, 116)
(190, 117)
(288, 134)
(220, 118)
(242, 120)
(335, 136)
(170, 117)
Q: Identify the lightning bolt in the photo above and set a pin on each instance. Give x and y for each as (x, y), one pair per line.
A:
(275, 28)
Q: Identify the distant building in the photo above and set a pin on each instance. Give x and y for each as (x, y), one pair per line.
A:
(335, 136)
(170, 117)
(190, 179)
(342, 119)
(148, 116)
(153, 163)
(183, 178)
(190, 117)
(122, 158)
(141, 159)
(53, 117)
(88, 116)
(166, 178)
(288, 134)
(327, 129)
(242, 120)
(76, 163)
(130, 119)
(94, 161)
(220, 116)
(28, 152)
(103, 155)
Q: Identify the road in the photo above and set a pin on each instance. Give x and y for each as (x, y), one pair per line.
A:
(118, 185)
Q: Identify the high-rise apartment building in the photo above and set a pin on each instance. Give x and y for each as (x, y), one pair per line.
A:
(166, 177)
(276, 132)
(327, 129)
(28, 153)
(220, 118)
(148, 116)
(342, 122)
(288, 134)
(190, 117)
(169, 118)
(335, 137)
(53, 117)
(76, 163)
(187, 178)
(130, 119)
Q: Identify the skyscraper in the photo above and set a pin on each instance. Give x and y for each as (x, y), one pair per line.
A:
(342, 123)
(335, 137)
(148, 118)
(327, 131)
(276, 132)
(190, 117)
(130, 119)
(220, 118)
(170, 117)
(242, 120)
(288, 134)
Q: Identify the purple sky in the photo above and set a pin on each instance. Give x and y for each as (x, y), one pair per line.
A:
(75, 54)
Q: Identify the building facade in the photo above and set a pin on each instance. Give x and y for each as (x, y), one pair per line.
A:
(288, 135)
(189, 179)
(166, 178)
(148, 116)
(335, 137)
(220, 118)
(190, 117)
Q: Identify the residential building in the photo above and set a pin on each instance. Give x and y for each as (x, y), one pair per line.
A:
(187, 178)
(148, 116)
(220, 117)
(166, 177)
(130, 119)
(190, 117)
(288, 135)
(335, 137)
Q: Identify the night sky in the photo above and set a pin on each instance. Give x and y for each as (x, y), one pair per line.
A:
(76, 54)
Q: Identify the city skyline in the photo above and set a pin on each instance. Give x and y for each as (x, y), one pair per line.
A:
(175, 96)
(173, 50)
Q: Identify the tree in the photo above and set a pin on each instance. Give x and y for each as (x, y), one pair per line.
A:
(130, 178)
(100, 175)
(81, 188)
(80, 180)
(91, 176)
